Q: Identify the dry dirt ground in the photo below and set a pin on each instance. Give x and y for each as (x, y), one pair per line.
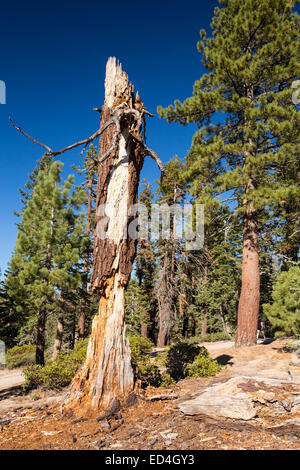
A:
(37, 422)
(10, 378)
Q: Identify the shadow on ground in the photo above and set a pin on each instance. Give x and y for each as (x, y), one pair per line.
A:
(14, 391)
(268, 341)
(224, 360)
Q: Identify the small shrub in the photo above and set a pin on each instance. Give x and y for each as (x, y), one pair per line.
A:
(202, 366)
(33, 377)
(294, 345)
(19, 356)
(139, 346)
(148, 373)
(279, 334)
(212, 337)
(146, 370)
(58, 373)
(161, 359)
(187, 360)
(167, 381)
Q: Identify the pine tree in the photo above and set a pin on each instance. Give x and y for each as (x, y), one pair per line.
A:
(284, 312)
(89, 170)
(249, 127)
(42, 165)
(44, 252)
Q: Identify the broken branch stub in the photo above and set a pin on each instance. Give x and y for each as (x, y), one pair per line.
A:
(107, 373)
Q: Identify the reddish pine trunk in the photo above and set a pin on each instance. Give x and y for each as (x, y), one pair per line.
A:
(250, 292)
(144, 328)
(165, 307)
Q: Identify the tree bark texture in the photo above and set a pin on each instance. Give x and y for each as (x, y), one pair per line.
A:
(250, 292)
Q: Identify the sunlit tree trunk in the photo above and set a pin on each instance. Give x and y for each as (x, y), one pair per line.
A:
(250, 291)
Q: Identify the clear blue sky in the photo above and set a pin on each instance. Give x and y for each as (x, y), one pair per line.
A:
(52, 59)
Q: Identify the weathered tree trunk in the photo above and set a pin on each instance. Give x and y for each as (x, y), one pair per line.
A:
(250, 291)
(107, 372)
(60, 329)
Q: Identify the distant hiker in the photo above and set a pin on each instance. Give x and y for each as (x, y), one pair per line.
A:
(261, 328)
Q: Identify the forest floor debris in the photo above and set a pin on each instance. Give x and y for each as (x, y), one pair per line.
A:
(159, 424)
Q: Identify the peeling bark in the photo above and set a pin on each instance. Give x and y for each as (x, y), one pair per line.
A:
(107, 372)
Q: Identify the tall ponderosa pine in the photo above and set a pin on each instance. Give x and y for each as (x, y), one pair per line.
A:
(249, 126)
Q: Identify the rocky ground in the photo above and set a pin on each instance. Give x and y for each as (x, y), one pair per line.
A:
(267, 412)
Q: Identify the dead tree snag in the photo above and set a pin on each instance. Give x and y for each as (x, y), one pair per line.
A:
(107, 372)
